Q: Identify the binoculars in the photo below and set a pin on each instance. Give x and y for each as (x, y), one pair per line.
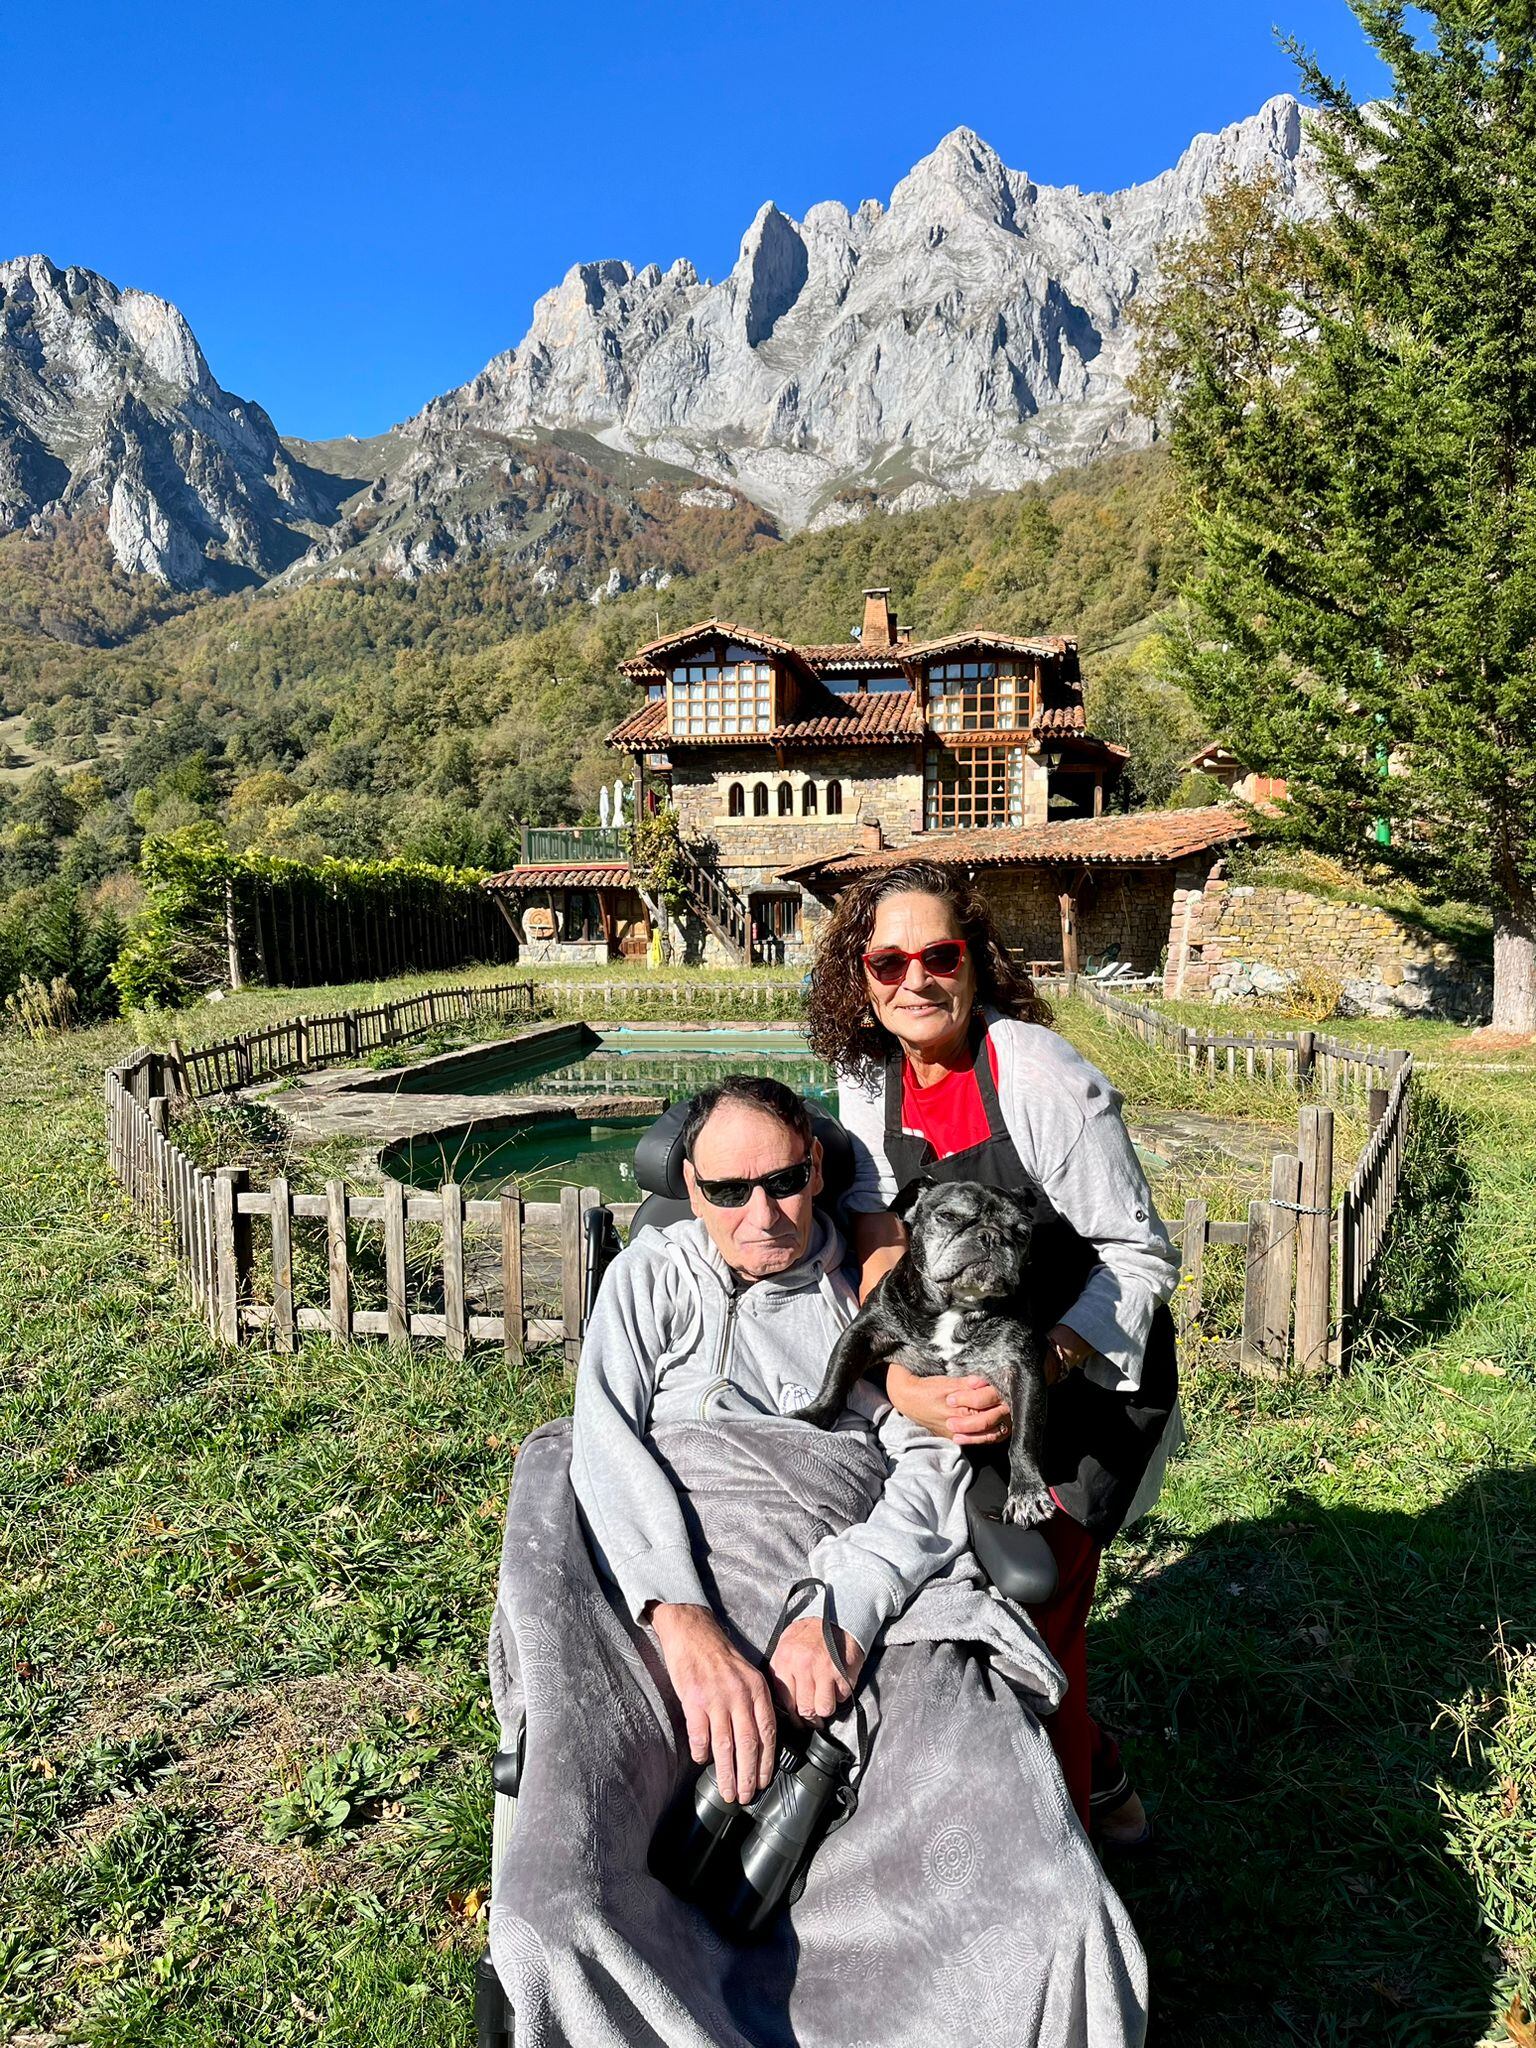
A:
(739, 1864)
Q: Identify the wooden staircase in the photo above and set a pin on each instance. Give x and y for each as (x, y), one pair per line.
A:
(723, 912)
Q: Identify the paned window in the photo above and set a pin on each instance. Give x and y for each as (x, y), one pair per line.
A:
(759, 799)
(786, 801)
(776, 917)
(736, 801)
(978, 696)
(834, 799)
(808, 801)
(722, 697)
(973, 786)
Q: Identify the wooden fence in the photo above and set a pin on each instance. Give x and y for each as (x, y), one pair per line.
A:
(1306, 1262)
(210, 1222)
(299, 1043)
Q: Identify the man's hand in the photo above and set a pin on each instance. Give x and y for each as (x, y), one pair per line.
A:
(725, 1700)
(805, 1680)
(968, 1410)
(1065, 1351)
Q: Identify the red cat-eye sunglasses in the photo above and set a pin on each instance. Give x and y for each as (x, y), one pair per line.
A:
(943, 960)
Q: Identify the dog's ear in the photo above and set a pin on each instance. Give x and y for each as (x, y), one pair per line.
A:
(910, 1196)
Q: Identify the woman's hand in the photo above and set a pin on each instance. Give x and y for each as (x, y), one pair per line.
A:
(968, 1410)
(1065, 1351)
(879, 1243)
(805, 1680)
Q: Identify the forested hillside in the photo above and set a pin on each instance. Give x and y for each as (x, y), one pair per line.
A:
(427, 717)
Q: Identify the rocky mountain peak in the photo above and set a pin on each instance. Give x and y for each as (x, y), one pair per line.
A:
(107, 404)
(969, 336)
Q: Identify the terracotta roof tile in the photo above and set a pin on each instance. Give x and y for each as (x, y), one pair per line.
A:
(1137, 839)
(647, 724)
(562, 875)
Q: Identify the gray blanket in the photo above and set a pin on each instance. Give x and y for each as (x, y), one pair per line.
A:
(960, 1904)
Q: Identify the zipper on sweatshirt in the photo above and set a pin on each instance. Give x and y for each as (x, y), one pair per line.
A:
(727, 1334)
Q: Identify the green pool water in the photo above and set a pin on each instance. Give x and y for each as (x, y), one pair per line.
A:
(570, 1153)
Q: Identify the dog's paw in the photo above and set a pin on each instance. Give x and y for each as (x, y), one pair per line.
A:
(822, 1418)
(1025, 1510)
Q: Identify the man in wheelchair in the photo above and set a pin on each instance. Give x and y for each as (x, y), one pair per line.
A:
(650, 1547)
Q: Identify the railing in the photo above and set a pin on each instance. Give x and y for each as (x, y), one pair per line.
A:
(245, 1290)
(1303, 1281)
(299, 1043)
(568, 844)
(717, 903)
(1306, 1261)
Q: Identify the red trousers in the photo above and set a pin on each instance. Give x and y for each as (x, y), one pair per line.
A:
(1089, 1759)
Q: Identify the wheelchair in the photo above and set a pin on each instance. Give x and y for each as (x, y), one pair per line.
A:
(1025, 1572)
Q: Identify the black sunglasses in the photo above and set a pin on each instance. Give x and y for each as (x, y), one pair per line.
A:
(779, 1185)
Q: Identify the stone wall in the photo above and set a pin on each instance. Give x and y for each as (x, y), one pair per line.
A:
(1232, 941)
(879, 784)
(1127, 912)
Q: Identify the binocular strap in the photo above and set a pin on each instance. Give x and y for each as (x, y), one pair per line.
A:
(849, 1796)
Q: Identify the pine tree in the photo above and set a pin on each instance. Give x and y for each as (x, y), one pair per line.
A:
(1351, 404)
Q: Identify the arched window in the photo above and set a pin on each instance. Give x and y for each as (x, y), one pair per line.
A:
(736, 801)
(834, 799)
(808, 801)
(786, 801)
(759, 799)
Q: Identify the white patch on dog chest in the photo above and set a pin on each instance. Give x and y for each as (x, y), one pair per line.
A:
(947, 1334)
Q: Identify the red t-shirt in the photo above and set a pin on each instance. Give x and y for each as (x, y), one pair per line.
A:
(950, 1114)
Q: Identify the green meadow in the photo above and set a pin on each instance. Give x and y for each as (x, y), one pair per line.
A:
(245, 1600)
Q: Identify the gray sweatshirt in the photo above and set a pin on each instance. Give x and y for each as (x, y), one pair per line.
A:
(674, 1336)
(1064, 1119)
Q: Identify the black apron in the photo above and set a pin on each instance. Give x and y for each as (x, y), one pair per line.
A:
(1098, 1444)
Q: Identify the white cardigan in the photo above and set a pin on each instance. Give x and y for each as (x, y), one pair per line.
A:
(1064, 1119)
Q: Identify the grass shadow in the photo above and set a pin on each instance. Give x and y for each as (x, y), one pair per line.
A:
(1420, 1286)
(1312, 1698)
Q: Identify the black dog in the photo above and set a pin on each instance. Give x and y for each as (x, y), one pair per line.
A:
(987, 1273)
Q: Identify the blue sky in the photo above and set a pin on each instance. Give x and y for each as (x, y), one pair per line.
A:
(356, 204)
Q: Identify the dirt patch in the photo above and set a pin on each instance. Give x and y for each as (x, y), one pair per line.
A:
(1486, 1040)
(229, 1744)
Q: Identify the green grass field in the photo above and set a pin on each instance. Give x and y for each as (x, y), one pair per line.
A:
(245, 1601)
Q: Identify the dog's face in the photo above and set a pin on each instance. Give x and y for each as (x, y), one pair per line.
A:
(971, 1242)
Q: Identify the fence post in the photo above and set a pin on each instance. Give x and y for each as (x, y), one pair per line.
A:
(232, 1242)
(1313, 1260)
(1193, 1249)
(336, 1260)
(512, 1334)
(1284, 1194)
(571, 1276)
(455, 1327)
(1251, 1355)
(1306, 1058)
(394, 1263)
(283, 1323)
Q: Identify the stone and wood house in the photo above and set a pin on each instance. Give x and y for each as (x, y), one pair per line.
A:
(794, 768)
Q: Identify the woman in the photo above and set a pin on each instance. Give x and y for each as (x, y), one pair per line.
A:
(948, 1066)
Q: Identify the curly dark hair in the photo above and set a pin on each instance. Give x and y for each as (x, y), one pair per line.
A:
(839, 1021)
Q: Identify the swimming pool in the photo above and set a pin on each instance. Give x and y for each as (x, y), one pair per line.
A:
(568, 1151)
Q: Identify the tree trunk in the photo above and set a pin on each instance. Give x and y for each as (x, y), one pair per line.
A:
(1514, 963)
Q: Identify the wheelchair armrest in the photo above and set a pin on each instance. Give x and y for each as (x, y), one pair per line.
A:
(507, 1764)
(1018, 1561)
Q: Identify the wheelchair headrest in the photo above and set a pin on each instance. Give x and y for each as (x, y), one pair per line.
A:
(659, 1156)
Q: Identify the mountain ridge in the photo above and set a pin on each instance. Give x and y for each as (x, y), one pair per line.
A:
(967, 336)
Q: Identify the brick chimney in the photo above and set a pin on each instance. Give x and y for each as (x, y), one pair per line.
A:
(871, 838)
(879, 620)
